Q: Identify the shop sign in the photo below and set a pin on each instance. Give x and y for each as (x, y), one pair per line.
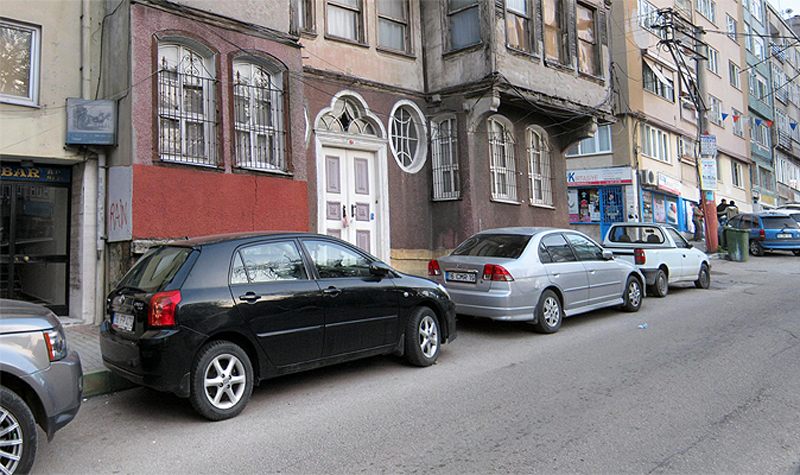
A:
(708, 145)
(91, 122)
(119, 215)
(599, 176)
(708, 173)
(37, 173)
(669, 184)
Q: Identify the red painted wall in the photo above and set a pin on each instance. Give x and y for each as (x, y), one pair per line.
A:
(173, 202)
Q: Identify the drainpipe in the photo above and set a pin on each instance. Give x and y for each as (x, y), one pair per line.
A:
(100, 275)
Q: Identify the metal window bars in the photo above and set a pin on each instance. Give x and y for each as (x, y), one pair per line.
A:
(405, 137)
(186, 117)
(446, 182)
(258, 119)
(502, 166)
(539, 174)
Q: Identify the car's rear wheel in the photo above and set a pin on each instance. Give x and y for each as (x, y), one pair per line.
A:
(632, 297)
(222, 380)
(549, 313)
(423, 338)
(19, 437)
(703, 278)
(661, 285)
(796, 253)
(756, 249)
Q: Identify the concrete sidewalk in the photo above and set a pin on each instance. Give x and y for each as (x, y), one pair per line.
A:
(85, 339)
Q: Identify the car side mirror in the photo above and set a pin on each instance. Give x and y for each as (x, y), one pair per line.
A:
(689, 245)
(379, 269)
(608, 255)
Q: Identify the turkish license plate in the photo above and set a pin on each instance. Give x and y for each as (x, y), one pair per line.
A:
(469, 277)
(784, 236)
(122, 321)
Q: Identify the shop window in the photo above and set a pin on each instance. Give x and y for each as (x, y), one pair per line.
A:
(659, 208)
(502, 166)
(19, 63)
(588, 49)
(393, 25)
(444, 147)
(463, 18)
(540, 177)
(344, 19)
(258, 116)
(596, 205)
(518, 25)
(600, 143)
(407, 137)
(186, 106)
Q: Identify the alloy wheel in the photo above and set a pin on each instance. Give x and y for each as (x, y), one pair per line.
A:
(552, 311)
(11, 441)
(634, 293)
(224, 381)
(428, 336)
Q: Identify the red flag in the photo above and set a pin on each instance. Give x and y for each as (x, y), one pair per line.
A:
(736, 118)
(768, 122)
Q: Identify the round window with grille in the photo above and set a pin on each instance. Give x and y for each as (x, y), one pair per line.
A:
(407, 136)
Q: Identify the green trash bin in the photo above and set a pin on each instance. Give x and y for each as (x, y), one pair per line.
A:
(738, 241)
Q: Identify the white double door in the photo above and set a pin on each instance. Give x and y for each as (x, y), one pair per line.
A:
(350, 197)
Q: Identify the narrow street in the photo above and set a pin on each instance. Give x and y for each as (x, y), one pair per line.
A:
(710, 385)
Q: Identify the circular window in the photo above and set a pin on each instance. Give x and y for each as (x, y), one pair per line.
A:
(407, 137)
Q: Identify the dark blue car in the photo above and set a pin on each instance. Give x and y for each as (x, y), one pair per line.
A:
(769, 231)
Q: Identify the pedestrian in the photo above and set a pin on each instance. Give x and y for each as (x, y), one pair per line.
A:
(721, 208)
(732, 210)
(697, 221)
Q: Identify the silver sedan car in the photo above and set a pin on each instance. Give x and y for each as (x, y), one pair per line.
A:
(537, 275)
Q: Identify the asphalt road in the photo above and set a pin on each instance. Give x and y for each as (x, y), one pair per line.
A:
(712, 385)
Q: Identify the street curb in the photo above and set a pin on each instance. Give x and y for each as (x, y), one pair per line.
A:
(103, 381)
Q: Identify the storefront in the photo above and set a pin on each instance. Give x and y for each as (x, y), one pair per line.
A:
(34, 233)
(667, 204)
(599, 197)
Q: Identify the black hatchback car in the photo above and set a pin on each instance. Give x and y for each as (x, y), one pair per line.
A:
(209, 318)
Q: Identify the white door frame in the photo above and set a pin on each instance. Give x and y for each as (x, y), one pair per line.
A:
(376, 145)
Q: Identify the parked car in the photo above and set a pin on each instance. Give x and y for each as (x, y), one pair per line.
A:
(769, 231)
(791, 211)
(661, 253)
(536, 275)
(209, 318)
(40, 381)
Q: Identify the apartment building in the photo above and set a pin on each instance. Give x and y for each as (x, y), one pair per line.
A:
(784, 47)
(48, 189)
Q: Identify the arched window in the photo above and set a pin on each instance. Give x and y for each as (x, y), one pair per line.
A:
(444, 147)
(502, 166)
(186, 106)
(258, 116)
(407, 137)
(346, 116)
(540, 178)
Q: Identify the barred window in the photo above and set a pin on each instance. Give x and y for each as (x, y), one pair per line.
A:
(407, 136)
(186, 107)
(540, 177)
(502, 167)
(444, 139)
(258, 116)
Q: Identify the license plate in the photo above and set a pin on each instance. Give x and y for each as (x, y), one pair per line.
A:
(123, 322)
(469, 277)
(784, 236)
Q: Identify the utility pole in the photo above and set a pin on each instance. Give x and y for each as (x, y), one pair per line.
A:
(685, 40)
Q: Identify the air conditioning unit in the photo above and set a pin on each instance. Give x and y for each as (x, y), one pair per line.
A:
(648, 178)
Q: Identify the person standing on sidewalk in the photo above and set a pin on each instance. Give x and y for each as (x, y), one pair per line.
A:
(721, 207)
(731, 211)
(697, 221)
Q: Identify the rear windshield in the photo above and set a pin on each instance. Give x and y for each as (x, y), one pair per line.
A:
(155, 268)
(493, 245)
(779, 222)
(636, 234)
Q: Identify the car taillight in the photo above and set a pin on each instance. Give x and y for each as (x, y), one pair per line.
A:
(162, 309)
(638, 257)
(495, 272)
(56, 344)
(762, 234)
(433, 268)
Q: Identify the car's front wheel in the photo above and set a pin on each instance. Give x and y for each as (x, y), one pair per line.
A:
(221, 380)
(756, 249)
(632, 297)
(703, 278)
(423, 338)
(549, 313)
(18, 429)
(661, 285)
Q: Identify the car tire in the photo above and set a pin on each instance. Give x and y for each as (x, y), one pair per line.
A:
(423, 340)
(632, 295)
(703, 278)
(549, 313)
(661, 286)
(14, 412)
(221, 380)
(756, 249)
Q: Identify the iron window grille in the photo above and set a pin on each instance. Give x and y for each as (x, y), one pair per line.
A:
(539, 172)
(258, 118)
(405, 136)
(502, 167)
(446, 183)
(186, 110)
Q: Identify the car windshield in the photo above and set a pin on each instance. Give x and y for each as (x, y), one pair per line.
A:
(779, 222)
(155, 268)
(493, 245)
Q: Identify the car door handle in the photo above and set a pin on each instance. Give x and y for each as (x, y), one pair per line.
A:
(593, 272)
(332, 292)
(556, 276)
(250, 297)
